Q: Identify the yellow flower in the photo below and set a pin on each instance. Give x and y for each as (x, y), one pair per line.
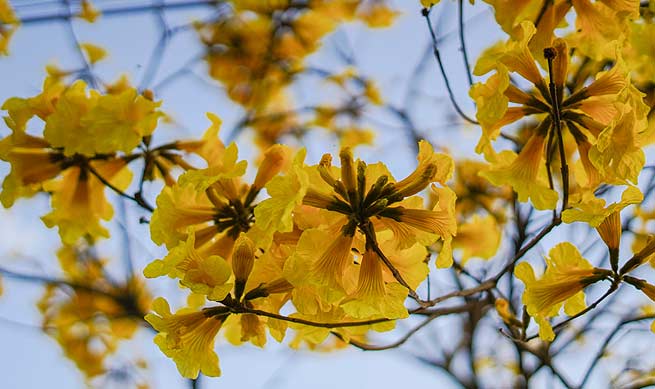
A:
(286, 192)
(243, 260)
(617, 154)
(478, 237)
(373, 297)
(276, 158)
(64, 126)
(32, 164)
(178, 208)
(119, 122)
(372, 92)
(245, 328)
(600, 24)
(89, 321)
(8, 25)
(21, 110)
(642, 285)
(318, 268)
(376, 14)
(197, 268)
(490, 96)
(188, 336)
(425, 226)
(518, 57)
(608, 154)
(221, 174)
(89, 12)
(78, 200)
(589, 209)
(567, 274)
(432, 167)
(475, 193)
(525, 173)
(610, 231)
(503, 310)
(328, 269)
(92, 124)
(645, 254)
(429, 3)
(210, 147)
(93, 52)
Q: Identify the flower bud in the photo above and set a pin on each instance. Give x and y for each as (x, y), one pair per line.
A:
(274, 160)
(347, 169)
(324, 170)
(243, 259)
(610, 232)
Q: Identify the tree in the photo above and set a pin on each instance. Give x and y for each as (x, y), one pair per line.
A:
(296, 225)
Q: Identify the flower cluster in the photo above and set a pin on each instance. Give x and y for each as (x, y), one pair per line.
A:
(76, 153)
(257, 49)
(339, 244)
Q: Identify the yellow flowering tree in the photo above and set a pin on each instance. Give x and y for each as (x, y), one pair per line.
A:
(315, 198)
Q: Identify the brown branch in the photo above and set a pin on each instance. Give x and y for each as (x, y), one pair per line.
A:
(557, 119)
(486, 285)
(433, 315)
(118, 11)
(437, 56)
(462, 42)
(137, 199)
(55, 282)
(309, 322)
(533, 242)
(606, 343)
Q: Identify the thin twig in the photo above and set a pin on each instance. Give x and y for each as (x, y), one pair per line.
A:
(435, 314)
(437, 56)
(119, 11)
(54, 282)
(314, 323)
(462, 42)
(606, 342)
(139, 200)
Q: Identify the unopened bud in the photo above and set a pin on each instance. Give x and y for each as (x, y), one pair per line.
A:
(324, 170)
(347, 169)
(644, 255)
(279, 285)
(502, 308)
(275, 158)
(243, 259)
(610, 232)
(148, 94)
(642, 285)
(417, 181)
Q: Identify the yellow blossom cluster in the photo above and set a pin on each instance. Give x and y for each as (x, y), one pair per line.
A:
(259, 48)
(88, 315)
(75, 154)
(339, 244)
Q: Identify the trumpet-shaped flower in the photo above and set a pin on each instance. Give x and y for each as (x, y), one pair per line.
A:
(188, 336)
(567, 274)
(525, 173)
(373, 297)
(78, 200)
